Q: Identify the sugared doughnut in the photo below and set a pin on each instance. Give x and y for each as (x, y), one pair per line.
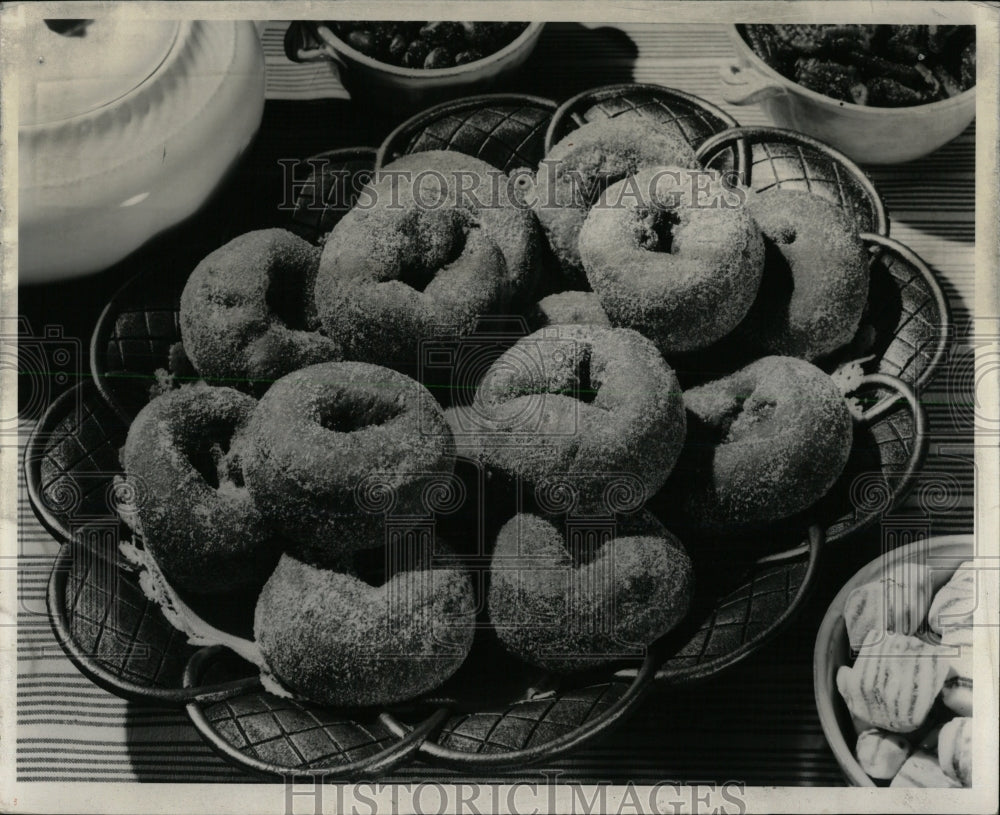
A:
(567, 605)
(673, 254)
(330, 449)
(763, 443)
(457, 179)
(438, 243)
(182, 461)
(569, 308)
(585, 162)
(580, 401)
(338, 640)
(247, 310)
(815, 282)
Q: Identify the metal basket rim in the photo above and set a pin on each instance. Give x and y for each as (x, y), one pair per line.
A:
(566, 108)
(423, 117)
(749, 135)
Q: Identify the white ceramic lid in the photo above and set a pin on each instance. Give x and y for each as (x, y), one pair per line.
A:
(129, 129)
(64, 76)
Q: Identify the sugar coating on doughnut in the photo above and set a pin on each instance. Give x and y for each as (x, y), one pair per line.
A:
(337, 640)
(332, 448)
(489, 193)
(569, 610)
(182, 458)
(389, 279)
(470, 426)
(440, 244)
(763, 443)
(248, 313)
(589, 159)
(815, 283)
(674, 254)
(568, 308)
(588, 403)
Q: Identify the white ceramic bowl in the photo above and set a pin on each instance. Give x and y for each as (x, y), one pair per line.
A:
(395, 87)
(870, 135)
(115, 148)
(943, 555)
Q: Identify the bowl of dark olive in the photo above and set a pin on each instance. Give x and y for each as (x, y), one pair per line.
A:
(882, 94)
(405, 65)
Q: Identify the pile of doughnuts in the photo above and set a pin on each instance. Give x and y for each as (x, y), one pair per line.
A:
(315, 458)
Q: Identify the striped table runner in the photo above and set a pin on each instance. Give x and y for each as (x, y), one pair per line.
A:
(68, 729)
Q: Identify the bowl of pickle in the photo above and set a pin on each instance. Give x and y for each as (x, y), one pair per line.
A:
(882, 94)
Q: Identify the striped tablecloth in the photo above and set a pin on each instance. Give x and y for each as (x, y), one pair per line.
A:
(756, 723)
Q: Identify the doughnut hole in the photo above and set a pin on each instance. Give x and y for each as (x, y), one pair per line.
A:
(215, 451)
(287, 300)
(656, 228)
(345, 418)
(754, 416)
(568, 375)
(212, 462)
(428, 257)
(446, 246)
(586, 387)
(522, 388)
(777, 283)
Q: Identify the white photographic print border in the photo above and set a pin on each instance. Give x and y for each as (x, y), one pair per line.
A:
(510, 794)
